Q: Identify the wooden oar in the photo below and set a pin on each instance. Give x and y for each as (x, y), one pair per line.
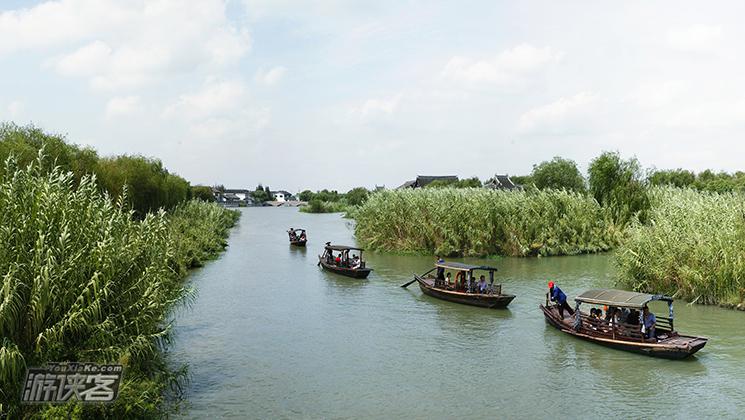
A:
(409, 283)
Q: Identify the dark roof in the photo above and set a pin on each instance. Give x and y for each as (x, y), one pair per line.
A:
(342, 248)
(407, 184)
(282, 191)
(424, 180)
(503, 182)
(464, 267)
(619, 298)
(237, 190)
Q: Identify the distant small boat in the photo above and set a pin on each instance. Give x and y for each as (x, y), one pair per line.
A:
(342, 263)
(438, 288)
(667, 344)
(297, 237)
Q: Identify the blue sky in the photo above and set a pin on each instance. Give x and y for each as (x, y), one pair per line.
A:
(337, 94)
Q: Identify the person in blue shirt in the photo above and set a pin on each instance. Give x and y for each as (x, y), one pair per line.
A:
(440, 270)
(560, 298)
(649, 323)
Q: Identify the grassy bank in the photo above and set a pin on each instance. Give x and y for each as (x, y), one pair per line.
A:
(477, 222)
(318, 206)
(692, 247)
(84, 280)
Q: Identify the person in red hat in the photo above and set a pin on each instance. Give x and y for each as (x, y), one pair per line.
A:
(560, 298)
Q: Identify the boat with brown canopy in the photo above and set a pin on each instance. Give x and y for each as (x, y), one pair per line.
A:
(297, 237)
(465, 289)
(342, 263)
(624, 328)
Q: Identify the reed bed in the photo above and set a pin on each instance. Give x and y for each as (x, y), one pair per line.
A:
(693, 247)
(83, 280)
(478, 222)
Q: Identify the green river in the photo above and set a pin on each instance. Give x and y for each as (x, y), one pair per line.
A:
(271, 335)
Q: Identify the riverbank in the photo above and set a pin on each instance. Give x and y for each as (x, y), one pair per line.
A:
(477, 222)
(86, 280)
(689, 245)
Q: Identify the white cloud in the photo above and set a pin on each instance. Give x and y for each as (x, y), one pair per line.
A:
(219, 109)
(376, 107)
(214, 98)
(270, 77)
(563, 115)
(696, 38)
(513, 66)
(85, 61)
(126, 44)
(122, 105)
(659, 94)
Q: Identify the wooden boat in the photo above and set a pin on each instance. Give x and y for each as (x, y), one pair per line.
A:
(493, 298)
(297, 237)
(341, 263)
(667, 342)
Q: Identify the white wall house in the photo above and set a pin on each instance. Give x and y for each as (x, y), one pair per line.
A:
(283, 196)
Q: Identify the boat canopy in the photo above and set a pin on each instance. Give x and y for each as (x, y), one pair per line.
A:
(297, 230)
(464, 267)
(619, 298)
(342, 248)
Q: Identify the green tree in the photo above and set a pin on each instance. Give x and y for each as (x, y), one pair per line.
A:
(269, 195)
(357, 196)
(524, 180)
(260, 194)
(618, 185)
(676, 177)
(202, 192)
(306, 195)
(557, 174)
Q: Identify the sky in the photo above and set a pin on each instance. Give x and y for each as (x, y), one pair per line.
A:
(337, 94)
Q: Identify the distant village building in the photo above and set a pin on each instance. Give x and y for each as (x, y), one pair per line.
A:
(283, 196)
(234, 197)
(422, 181)
(501, 182)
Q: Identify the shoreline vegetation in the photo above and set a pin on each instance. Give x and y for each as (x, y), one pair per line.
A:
(673, 231)
(93, 275)
(479, 222)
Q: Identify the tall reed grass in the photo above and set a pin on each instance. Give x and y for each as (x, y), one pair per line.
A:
(693, 247)
(83, 280)
(477, 222)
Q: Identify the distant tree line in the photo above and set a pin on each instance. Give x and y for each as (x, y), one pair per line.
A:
(149, 185)
(332, 201)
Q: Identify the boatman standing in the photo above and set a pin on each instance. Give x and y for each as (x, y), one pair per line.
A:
(560, 298)
(440, 270)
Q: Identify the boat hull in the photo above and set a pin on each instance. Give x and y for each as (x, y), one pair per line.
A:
(298, 243)
(474, 299)
(678, 347)
(357, 273)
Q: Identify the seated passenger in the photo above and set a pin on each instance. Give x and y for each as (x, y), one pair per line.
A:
(649, 323)
(633, 317)
(482, 284)
(337, 260)
(448, 283)
(355, 262)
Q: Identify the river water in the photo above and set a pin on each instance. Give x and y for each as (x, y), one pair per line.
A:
(271, 335)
